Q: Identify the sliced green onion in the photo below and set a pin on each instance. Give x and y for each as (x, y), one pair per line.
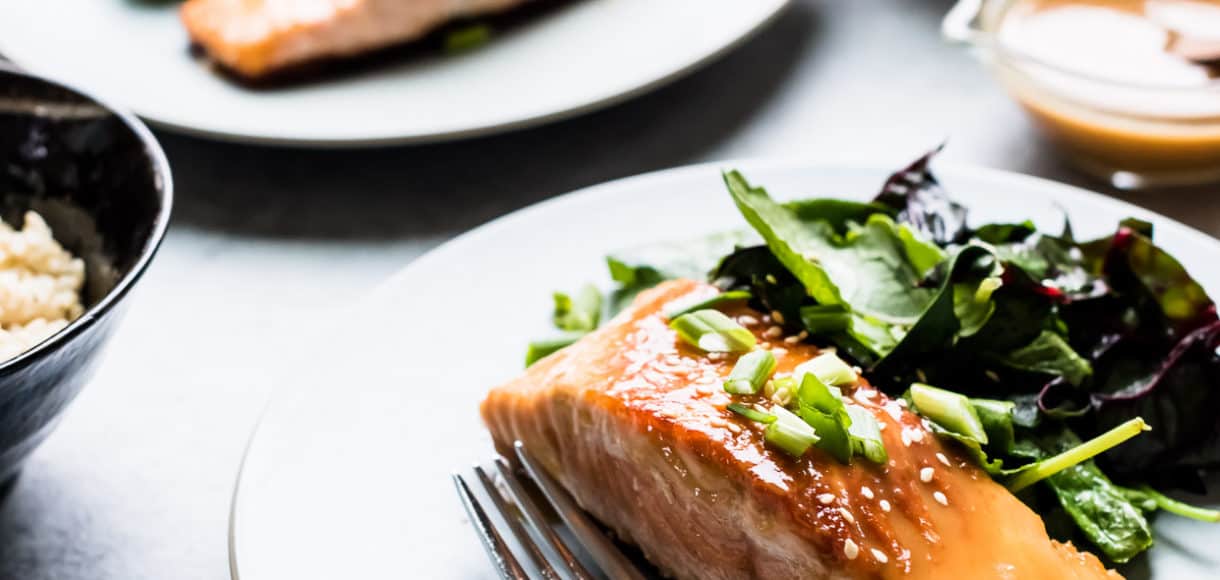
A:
(986, 288)
(821, 406)
(781, 391)
(681, 307)
(752, 413)
(829, 369)
(866, 435)
(951, 410)
(578, 313)
(1180, 508)
(467, 38)
(1045, 468)
(996, 417)
(750, 373)
(540, 349)
(1139, 499)
(712, 331)
(792, 435)
(818, 395)
(825, 318)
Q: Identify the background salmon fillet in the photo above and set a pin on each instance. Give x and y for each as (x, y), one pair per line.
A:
(256, 38)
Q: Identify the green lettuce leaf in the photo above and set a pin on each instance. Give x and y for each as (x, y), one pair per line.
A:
(639, 268)
(866, 269)
(1050, 354)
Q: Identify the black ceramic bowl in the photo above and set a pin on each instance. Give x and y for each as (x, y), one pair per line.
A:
(102, 183)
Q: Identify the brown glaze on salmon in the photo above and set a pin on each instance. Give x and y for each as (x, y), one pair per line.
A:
(256, 38)
(632, 422)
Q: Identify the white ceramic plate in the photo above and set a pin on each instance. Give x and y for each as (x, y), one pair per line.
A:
(347, 476)
(574, 58)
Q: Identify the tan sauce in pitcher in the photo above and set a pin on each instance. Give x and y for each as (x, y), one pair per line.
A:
(1130, 87)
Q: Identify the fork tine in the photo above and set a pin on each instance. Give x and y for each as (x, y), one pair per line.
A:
(533, 515)
(514, 526)
(611, 560)
(503, 560)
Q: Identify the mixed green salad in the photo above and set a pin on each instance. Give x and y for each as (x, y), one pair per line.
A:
(1034, 351)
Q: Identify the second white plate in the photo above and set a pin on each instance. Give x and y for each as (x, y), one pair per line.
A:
(574, 58)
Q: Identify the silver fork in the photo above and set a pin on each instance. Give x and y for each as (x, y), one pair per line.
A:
(544, 548)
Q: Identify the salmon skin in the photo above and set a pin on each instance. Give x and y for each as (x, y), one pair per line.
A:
(633, 422)
(259, 38)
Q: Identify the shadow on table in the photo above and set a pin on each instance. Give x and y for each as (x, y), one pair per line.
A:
(24, 553)
(442, 189)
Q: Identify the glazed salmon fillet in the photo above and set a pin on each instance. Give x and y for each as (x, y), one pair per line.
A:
(255, 38)
(633, 422)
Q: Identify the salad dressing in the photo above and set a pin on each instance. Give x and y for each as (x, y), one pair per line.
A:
(1128, 84)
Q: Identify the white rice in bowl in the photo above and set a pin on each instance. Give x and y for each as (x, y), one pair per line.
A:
(40, 286)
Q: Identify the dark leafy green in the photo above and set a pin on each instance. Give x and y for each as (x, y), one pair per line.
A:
(774, 289)
(939, 324)
(642, 267)
(866, 269)
(839, 213)
(1180, 397)
(917, 197)
(1049, 353)
(1101, 509)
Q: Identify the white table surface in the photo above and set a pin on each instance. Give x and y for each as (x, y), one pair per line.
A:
(136, 482)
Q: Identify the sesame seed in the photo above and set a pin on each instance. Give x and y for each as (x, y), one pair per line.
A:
(916, 435)
(906, 439)
(777, 317)
(851, 550)
(925, 474)
(941, 458)
(827, 498)
(881, 425)
(867, 492)
(779, 351)
(803, 335)
(885, 505)
(880, 556)
(923, 378)
(992, 375)
(747, 320)
(940, 498)
(774, 332)
(847, 515)
(792, 339)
